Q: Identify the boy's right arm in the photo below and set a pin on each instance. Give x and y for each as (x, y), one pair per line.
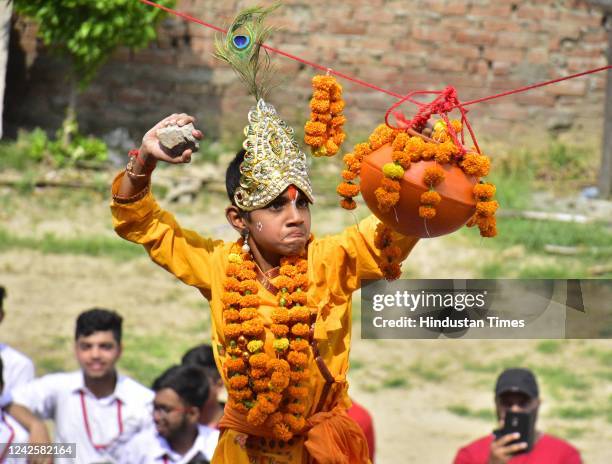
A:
(138, 218)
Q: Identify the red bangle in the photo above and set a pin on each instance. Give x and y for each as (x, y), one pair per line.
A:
(135, 153)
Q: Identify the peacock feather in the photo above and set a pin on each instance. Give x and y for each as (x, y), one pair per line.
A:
(241, 48)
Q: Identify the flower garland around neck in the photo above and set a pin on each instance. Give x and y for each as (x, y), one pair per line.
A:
(324, 132)
(409, 149)
(270, 390)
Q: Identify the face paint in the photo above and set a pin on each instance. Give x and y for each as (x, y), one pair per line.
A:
(259, 226)
(292, 191)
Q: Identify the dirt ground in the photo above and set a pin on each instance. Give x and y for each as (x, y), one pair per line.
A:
(410, 386)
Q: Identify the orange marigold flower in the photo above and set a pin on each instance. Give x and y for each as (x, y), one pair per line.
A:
(431, 198)
(288, 270)
(249, 301)
(323, 82)
(299, 345)
(295, 423)
(259, 360)
(392, 252)
(266, 405)
(232, 269)
(231, 284)
(331, 147)
(429, 151)
(314, 141)
(259, 373)
(315, 128)
(231, 315)
(296, 407)
(486, 208)
(391, 271)
(248, 314)
(299, 313)
(247, 274)
(256, 416)
(298, 376)
(338, 121)
(321, 95)
(238, 406)
(248, 286)
(283, 281)
(279, 330)
(348, 203)
(240, 395)
(402, 158)
(281, 431)
(484, 192)
(247, 263)
(433, 175)
(232, 330)
(390, 185)
(279, 381)
(336, 107)
(261, 385)
(274, 418)
(339, 138)
(477, 165)
(275, 364)
(348, 190)
(300, 330)
(427, 212)
(234, 365)
(238, 381)
(400, 141)
(273, 397)
(348, 175)
(253, 327)
(443, 156)
(231, 299)
(319, 106)
(298, 298)
(297, 359)
(415, 156)
(486, 222)
(302, 266)
(336, 91)
(361, 150)
(298, 392)
(280, 315)
(386, 200)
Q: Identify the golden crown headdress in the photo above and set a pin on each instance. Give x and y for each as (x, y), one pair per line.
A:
(273, 158)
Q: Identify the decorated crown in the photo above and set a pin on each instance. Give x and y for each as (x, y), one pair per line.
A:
(272, 162)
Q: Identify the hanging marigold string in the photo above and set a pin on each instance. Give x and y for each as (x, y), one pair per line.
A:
(323, 132)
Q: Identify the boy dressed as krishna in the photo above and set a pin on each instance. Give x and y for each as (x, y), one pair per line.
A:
(280, 298)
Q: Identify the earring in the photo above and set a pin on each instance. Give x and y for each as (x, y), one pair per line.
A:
(245, 247)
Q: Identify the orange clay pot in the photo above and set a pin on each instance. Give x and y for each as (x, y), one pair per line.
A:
(456, 207)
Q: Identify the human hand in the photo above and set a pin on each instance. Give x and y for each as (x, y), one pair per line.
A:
(39, 436)
(152, 150)
(502, 450)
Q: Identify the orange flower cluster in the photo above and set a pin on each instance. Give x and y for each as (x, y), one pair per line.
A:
(390, 253)
(486, 207)
(323, 132)
(267, 389)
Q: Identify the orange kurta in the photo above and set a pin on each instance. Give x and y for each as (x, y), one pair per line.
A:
(336, 266)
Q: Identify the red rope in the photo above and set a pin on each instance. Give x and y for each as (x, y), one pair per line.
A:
(402, 98)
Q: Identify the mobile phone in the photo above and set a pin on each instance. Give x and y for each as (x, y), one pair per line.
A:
(521, 422)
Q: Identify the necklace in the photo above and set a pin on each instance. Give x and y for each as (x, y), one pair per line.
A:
(86, 421)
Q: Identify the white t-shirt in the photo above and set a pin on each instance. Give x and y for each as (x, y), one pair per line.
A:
(148, 447)
(96, 425)
(11, 433)
(18, 369)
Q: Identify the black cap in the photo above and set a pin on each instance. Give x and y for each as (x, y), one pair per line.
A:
(517, 380)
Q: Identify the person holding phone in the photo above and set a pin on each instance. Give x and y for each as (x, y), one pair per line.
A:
(517, 441)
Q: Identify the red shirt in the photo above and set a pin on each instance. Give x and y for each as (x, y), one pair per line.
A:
(360, 415)
(547, 449)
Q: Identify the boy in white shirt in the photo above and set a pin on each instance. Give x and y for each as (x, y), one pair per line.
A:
(11, 432)
(180, 393)
(94, 407)
(18, 368)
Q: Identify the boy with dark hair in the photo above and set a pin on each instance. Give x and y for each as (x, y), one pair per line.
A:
(180, 394)
(18, 368)
(280, 300)
(203, 357)
(94, 407)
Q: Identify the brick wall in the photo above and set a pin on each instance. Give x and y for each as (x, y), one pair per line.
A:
(481, 47)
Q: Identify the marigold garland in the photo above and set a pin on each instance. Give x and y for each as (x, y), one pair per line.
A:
(268, 390)
(323, 132)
